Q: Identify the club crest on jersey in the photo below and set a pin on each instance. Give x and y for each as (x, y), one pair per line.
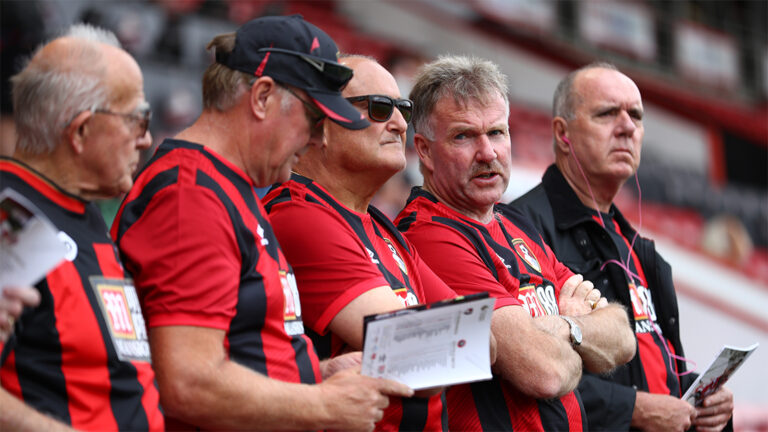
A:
(120, 307)
(396, 256)
(525, 253)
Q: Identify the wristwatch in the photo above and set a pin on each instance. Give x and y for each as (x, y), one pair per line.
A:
(575, 331)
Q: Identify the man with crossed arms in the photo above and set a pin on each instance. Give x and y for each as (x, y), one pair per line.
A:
(462, 139)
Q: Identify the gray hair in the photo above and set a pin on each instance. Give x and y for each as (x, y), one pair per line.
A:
(51, 90)
(565, 99)
(464, 78)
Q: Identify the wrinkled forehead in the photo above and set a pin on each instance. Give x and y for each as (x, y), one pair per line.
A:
(605, 86)
(454, 103)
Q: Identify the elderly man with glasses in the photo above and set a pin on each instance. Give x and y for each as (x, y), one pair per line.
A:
(350, 260)
(81, 356)
(220, 299)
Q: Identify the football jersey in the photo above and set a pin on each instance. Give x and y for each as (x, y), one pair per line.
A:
(195, 235)
(655, 358)
(338, 254)
(507, 258)
(81, 356)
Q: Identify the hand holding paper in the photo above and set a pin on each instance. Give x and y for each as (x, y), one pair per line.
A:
(719, 371)
(431, 345)
(29, 243)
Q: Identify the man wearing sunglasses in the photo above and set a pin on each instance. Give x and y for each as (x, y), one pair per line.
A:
(81, 356)
(553, 323)
(350, 260)
(221, 304)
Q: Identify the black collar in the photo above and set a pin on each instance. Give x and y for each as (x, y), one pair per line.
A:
(567, 208)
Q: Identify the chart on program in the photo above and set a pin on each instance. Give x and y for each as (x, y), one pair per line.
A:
(431, 345)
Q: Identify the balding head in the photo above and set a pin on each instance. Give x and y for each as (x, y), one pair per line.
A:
(566, 96)
(64, 77)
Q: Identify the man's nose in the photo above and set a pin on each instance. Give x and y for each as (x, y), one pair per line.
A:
(626, 124)
(144, 141)
(485, 151)
(396, 122)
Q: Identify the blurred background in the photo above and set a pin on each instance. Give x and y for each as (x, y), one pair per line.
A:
(701, 66)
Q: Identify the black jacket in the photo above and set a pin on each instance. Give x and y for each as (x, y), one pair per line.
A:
(583, 245)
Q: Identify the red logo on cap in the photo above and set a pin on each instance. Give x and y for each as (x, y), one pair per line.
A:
(260, 69)
(315, 45)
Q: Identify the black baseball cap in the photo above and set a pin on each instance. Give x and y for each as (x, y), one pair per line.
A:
(295, 52)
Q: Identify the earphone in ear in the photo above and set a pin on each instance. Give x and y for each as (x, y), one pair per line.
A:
(565, 139)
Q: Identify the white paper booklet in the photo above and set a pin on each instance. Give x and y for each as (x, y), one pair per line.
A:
(433, 345)
(29, 243)
(722, 367)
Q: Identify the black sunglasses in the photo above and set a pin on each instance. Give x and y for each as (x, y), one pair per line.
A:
(380, 107)
(140, 117)
(336, 73)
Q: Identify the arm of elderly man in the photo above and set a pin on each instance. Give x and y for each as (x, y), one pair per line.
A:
(553, 368)
(207, 355)
(16, 415)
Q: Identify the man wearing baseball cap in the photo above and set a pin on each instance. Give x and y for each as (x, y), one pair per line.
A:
(219, 298)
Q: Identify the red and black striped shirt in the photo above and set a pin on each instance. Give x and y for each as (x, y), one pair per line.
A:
(195, 235)
(507, 258)
(340, 255)
(82, 355)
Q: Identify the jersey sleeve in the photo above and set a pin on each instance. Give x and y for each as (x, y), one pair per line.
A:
(454, 260)
(331, 264)
(184, 257)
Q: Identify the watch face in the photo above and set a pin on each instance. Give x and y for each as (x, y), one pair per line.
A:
(576, 334)
(575, 331)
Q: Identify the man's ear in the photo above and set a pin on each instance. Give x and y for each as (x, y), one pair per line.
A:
(560, 131)
(261, 91)
(77, 130)
(421, 144)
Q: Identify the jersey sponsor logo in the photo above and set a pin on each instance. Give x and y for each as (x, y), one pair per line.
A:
(525, 253)
(642, 307)
(70, 244)
(503, 261)
(406, 296)
(540, 300)
(120, 307)
(292, 314)
(396, 256)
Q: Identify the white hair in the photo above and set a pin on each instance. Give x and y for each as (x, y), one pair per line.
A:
(51, 90)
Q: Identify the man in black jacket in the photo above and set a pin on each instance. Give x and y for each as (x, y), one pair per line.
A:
(598, 132)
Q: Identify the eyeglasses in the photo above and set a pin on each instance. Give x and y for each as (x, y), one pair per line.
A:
(380, 107)
(140, 117)
(313, 113)
(337, 73)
